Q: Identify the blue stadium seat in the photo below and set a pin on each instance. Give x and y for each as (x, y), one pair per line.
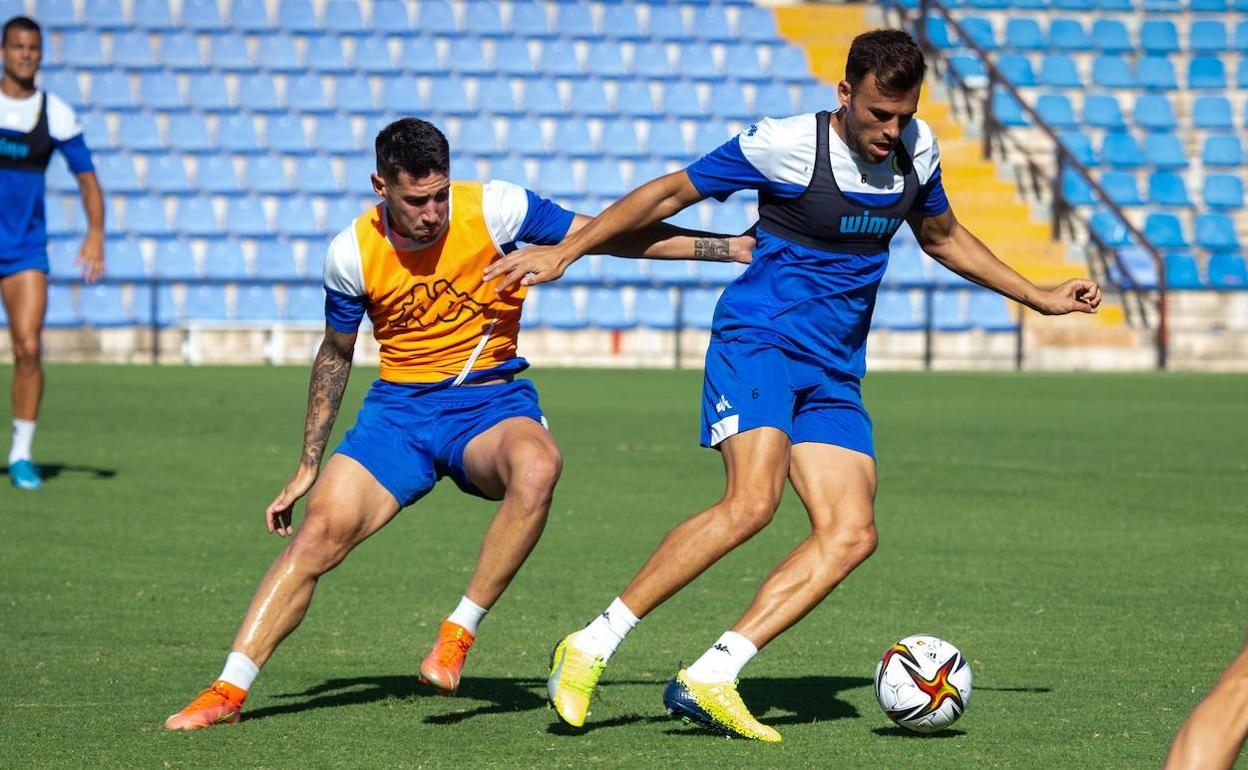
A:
(132, 50)
(1241, 73)
(718, 273)
(1109, 228)
(344, 17)
(296, 218)
(772, 99)
(1079, 144)
(1055, 109)
(742, 64)
(447, 96)
(1166, 188)
(225, 259)
(152, 15)
(188, 133)
(694, 60)
(56, 221)
(216, 175)
(572, 139)
(61, 258)
(756, 24)
(482, 19)
(1164, 231)
(588, 98)
(64, 84)
(1112, 71)
(467, 56)
(1241, 36)
(979, 31)
(1110, 36)
(285, 134)
(353, 94)
(1075, 189)
(104, 15)
(1227, 270)
(56, 14)
(1141, 271)
(175, 260)
(1082, 6)
(1102, 111)
(117, 174)
(82, 49)
(672, 272)
(509, 170)
(494, 96)
(646, 170)
(138, 133)
(391, 16)
(948, 312)
(197, 218)
(1216, 232)
(258, 93)
(728, 102)
(653, 308)
(575, 21)
(667, 140)
(111, 91)
(619, 139)
(104, 306)
(1209, 6)
(1222, 150)
(236, 132)
(228, 52)
(61, 312)
(1024, 34)
(990, 312)
(635, 100)
(1017, 69)
(711, 23)
(210, 92)
(1224, 191)
(895, 311)
(557, 179)
(1068, 35)
(1120, 150)
(275, 260)
(622, 272)
(180, 51)
(1007, 111)
(603, 179)
(249, 16)
(680, 100)
(667, 23)
(559, 309)
(788, 63)
(304, 304)
(530, 20)
(166, 175)
(204, 303)
(1208, 36)
(1159, 36)
(1181, 272)
(582, 271)
(265, 174)
(605, 60)
(938, 33)
(435, 17)
(245, 217)
(1212, 113)
(1155, 72)
(256, 304)
(299, 16)
(478, 137)
(1206, 72)
(650, 60)
(1154, 113)
(1121, 188)
(697, 308)
(524, 137)
(372, 56)
(201, 16)
(306, 93)
(541, 98)
(1164, 151)
(1059, 71)
(58, 179)
(604, 309)
(620, 22)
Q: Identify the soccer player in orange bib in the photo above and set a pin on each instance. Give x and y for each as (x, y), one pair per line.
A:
(447, 402)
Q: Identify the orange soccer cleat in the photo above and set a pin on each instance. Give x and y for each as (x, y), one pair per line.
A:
(442, 666)
(220, 704)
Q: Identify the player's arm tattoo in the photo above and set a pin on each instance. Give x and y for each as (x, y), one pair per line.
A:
(714, 249)
(329, 381)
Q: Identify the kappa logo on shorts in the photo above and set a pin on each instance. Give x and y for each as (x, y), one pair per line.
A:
(722, 405)
(427, 305)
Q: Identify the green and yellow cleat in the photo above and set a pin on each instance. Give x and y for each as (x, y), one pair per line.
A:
(573, 675)
(717, 706)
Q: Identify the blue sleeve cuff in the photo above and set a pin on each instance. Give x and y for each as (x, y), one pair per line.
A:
(724, 171)
(931, 200)
(343, 312)
(545, 223)
(77, 156)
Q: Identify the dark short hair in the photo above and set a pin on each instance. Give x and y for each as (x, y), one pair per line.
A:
(20, 24)
(892, 55)
(412, 145)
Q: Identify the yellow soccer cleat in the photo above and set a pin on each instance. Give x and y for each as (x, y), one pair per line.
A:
(573, 675)
(717, 706)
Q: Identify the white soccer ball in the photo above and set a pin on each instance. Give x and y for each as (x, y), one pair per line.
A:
(923, 683)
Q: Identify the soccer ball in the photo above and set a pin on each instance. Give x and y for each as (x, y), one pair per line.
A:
(923, 683)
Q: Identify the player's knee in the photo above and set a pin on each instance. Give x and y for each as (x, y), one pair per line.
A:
(319, 546)
(852, 544)
(26, 350)
(535, 471)
(751, 512)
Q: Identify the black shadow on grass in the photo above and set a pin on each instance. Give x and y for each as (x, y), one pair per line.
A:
(901, 732)
(52, 470)
(1014, 689)
(807, 698)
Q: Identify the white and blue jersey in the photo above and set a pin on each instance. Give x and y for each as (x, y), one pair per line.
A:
(814, 295)
(30, 130)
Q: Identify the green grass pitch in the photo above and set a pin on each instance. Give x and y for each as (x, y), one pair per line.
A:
(1080, 537)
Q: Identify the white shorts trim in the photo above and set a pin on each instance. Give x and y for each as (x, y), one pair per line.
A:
(725, 428)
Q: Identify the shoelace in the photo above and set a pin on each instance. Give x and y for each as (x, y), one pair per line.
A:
(451, 650)
(595, 667)
(738, 715)
(208, 697)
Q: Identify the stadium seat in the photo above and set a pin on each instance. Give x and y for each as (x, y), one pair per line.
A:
(1059, 71)
(145, 216)
(324, 54)
(541, 98)
(697, 308)
(589, 99)
(680, 100)
(61, 258)
(236, 133)
(559, 309)
(1222, 150)
(216, 174)
(948, 312)
(82, 49)
(667, 24)
(1181, 272)
(392, 16)
(1227, 270)
(1159, 36)
(204, 303)
(56, 221)
(1109, 71)
(104, 306)
(201, 16)
(619, 139)
(306, 93)
(1120, 150)
(711, 23)
(188, 133)
(372, 56)
(605, 60)
(166, 175)
(755, 24)
(1024, 34)
(1212, 113)
(245, 217)
(495, 97)
(524, 137)
(650, 60)
(1216, 232)
(257, 93)
(728, 102)
(57, 14)
(58, 179)
(467, 57)
(1164, 151)
(285, 134)
(1166, 188)
(694, 60)
(575, 21)
(111, 91)
(646, 170)
(1102, 111)
(298, 16)
(719, 273)
(265, 174)
(275, 261)
(228, 52)
(159, 91)
(304, 304)
(1007, 111)
(1224, 191)
(340, 213)
(482, 19)
(249, 16)
(175, 260)
(1122, 189)
(1141, 270)
(1075, 190)
(979, 31)
(1154, 113)
(788, 63)
(447, 96)
(138, 133)
(1068, 35)
(603, 179)
(1017, 70)
(166, 305)
(1109, 36)
(1240, 43)
(604, 309)
(620, 22)
(1156, 73)
(667, 140)
(435, 17)
(622, 272)
(1241, 73)
(938, 33)
(653, 308)
(635, 100)
(180, 51)
(210, 94)
(65, 85)
(772, 99)
(1055, 110)
(344, 17)
(104, 15)
(297, 219)
(61, 312)
(1206, 72)
(197, 218)
(509, 170)
(572, 139)
(353, 94)
(478, 137)
(1108, 228)
(990, 312)
(256, 304)
(225, 259)
(152, 15)
(1164, 231)
(894, 311)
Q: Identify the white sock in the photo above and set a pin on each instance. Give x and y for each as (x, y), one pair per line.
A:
(23, 437)
(468, 614)
(239, 671)
(724, 660)
(605, 633)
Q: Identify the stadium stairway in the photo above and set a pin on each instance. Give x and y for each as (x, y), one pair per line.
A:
(985, 199)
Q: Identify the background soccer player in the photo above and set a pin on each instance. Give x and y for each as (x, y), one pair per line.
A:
(1213, 734)
(33, 124)
(781, 393)
(447, 402)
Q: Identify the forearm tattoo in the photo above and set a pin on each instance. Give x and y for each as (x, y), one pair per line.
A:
(329, 381)
(711, 248)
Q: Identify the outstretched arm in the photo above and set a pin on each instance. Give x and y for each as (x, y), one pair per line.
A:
(647, 205)
(664, 241)
(91, 254)
(329, 381)
(957, 248)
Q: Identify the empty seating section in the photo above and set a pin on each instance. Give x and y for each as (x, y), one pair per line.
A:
(234, 138)
(1149, 96)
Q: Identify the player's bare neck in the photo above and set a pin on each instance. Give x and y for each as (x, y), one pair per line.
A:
(16, 89)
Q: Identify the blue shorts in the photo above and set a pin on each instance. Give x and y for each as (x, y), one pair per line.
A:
(752, 383)
(14, 265)
(409, 436)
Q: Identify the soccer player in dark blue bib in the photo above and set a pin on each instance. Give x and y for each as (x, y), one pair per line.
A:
(781, 392)
(33, 124)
